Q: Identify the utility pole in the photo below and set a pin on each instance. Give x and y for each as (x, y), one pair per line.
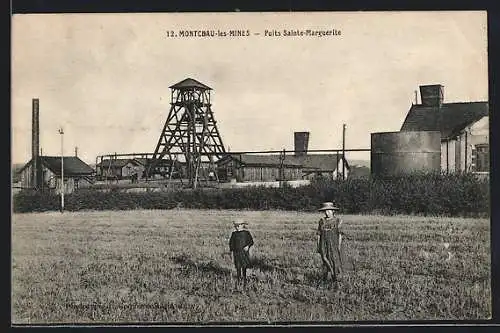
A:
(343, 152)
(338, 159)
(281, 170)
(61, 131)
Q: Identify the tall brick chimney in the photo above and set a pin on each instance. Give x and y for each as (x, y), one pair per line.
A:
(301, 143)
(432, 95)
(35, 143)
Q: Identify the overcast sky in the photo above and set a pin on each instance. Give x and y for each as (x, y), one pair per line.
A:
(105, 77)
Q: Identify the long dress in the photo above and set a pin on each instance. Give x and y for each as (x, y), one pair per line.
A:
(328, 245)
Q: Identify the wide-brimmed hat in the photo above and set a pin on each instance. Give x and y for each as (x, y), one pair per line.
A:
(239, 222)
(328, 206)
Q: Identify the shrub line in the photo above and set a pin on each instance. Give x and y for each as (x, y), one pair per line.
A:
(421, 194)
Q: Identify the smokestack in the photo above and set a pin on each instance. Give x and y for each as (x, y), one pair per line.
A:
(432, 95)
(301, 141)
(35, 142)
(76, 151)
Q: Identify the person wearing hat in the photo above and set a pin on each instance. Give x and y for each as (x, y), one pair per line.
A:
(239, 244)
(329, 240)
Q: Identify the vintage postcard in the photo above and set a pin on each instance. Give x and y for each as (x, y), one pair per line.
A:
(265, 168)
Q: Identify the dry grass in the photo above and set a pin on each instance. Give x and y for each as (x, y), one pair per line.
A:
(174, 266)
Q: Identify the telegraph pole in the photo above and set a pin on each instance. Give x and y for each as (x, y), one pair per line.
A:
(61, 132)
(282, 171)
(343, 151)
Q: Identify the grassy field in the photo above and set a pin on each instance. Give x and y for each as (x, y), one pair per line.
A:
(174, 266)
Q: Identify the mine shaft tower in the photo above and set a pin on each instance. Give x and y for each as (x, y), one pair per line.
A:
(190, 129)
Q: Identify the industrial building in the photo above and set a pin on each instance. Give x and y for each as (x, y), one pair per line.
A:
(299, 165)
(435, 136)
(77, 174)
(191, 142)
(111, 167)
(247, 167)
(463, 127)
(119, 168)
(166, 168)
(44, 172)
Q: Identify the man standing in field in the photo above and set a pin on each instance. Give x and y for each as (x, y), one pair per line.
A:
(240, 242)
(329, 241)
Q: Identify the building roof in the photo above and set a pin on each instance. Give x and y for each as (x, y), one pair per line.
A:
(190, 83)
(73, 166)
(264, 160)
(116, 163)
(316, 162)
(141, 160)
(449, 119)
(162, 162)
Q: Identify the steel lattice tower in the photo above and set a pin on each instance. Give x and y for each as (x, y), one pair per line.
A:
(190, 129)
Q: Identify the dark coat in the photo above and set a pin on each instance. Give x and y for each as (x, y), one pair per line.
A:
(238, 240)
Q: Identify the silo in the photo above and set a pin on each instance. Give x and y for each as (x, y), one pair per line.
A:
(396, 153)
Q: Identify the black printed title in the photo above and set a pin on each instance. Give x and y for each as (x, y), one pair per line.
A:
(211, 33)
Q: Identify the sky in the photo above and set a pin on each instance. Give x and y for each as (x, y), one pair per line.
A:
(105, 78)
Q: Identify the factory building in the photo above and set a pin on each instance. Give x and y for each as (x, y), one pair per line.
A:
(113, 168)
(299, 165)
(463, 128)
(77, 174)
(165, 167)
(119, 168)
(43, 173)
(246, 167)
